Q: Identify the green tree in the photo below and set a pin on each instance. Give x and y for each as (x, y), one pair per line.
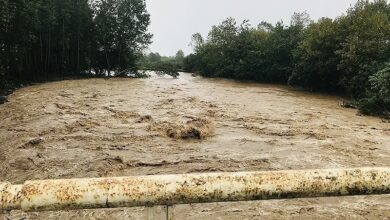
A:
(122, 32)
(132, 33)
(154, 57)
(316, 59)
(197, 41)
(377, 100)
(43, 39)
(240, 51)
(367, 44)
(179, 56)
(281, 45)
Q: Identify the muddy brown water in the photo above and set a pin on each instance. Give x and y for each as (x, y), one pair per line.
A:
(121, 127)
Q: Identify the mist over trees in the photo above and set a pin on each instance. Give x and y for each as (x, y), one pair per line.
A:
(44, 39)
(349, 54)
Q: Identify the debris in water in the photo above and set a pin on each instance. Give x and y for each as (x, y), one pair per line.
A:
(31, 143)
(35, 141)
(143, 119)
(193, 129)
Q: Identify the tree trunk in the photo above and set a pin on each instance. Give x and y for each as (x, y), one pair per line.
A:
(108, 64)
(119, 58)
(48, 56)
(78, 53)
(41, 52)
(63, 48)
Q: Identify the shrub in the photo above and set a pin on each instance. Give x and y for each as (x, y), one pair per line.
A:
(377, 100)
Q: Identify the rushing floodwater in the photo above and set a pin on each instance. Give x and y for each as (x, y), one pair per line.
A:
(96, 127)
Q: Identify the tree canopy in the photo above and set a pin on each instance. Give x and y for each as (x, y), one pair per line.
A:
(163, 65)
(43, 39)
(348, 54)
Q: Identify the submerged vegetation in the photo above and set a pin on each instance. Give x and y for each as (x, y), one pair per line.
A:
(163, 65)
(349, 54)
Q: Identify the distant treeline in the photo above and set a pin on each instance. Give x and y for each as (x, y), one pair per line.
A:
(44, 39)
(162, 64)
(349, 54)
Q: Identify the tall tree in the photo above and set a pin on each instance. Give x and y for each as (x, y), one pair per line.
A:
(179, 56)
(122, 28)
(367, 45)
(316, 59)
(49, 38)
(348, 54)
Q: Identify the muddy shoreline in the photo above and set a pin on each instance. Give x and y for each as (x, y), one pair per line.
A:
(121, 127)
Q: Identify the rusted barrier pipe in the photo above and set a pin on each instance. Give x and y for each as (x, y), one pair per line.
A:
(191, 188)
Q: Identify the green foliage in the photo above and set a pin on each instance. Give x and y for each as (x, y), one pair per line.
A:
(154, 57)
(162, 68)
(122, 32)
(316, 59)
(264, 53)
(377, 100)
(366, 44)
(341, 55)
(166, 68)
(179, 56)
(197, 41)
(163, 65)
(55, 38)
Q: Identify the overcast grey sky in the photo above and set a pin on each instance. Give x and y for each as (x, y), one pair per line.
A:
(174, 21)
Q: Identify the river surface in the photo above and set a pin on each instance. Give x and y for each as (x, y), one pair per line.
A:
(122, 127)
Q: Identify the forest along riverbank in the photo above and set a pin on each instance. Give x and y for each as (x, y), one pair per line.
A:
(121, 127)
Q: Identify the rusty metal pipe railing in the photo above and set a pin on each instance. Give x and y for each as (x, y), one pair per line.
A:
(191, 188)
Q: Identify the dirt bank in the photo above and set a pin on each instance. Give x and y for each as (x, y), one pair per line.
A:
(119, 127)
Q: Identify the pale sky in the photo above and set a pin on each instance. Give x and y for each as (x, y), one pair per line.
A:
(174, 21)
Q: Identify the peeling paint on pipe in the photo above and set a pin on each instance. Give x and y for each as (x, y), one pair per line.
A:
(191, 188)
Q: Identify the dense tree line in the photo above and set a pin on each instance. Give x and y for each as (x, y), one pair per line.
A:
(349, 54)
(44, 39)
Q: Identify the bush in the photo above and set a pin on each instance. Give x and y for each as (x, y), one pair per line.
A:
(377, 100)
(166, 68)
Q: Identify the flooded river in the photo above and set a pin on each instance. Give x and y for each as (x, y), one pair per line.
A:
(121, 127)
